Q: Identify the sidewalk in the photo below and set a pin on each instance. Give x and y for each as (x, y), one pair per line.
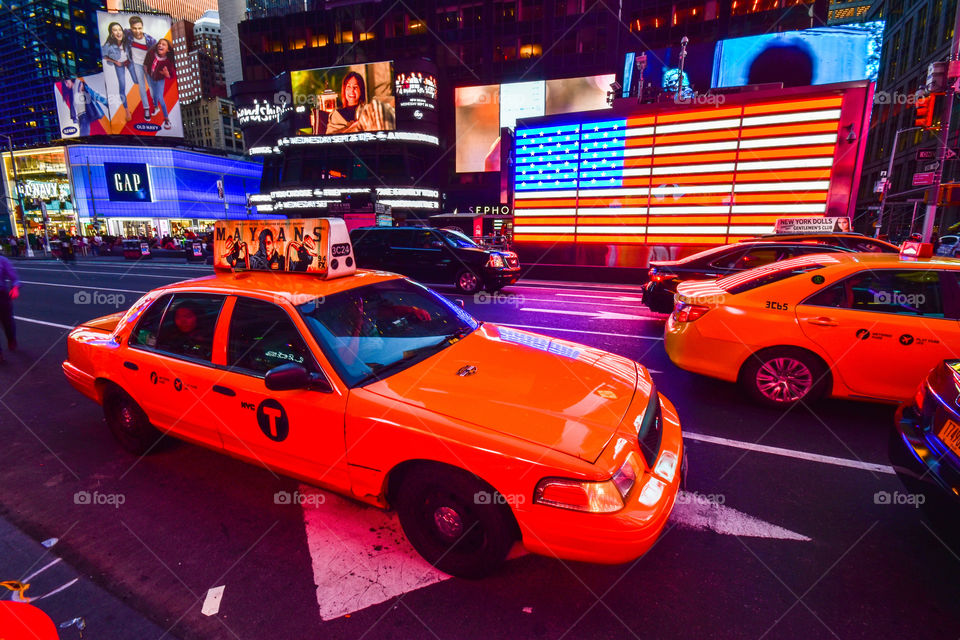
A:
(63, 594)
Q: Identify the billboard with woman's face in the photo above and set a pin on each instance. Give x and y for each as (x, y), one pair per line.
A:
(140, 75)
(347, 99)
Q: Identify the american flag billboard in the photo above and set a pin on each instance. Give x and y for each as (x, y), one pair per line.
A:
(690, 175)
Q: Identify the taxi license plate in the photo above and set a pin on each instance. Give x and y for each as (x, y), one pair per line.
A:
(950, 435)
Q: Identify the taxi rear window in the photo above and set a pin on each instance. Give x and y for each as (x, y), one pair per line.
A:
(774, 272)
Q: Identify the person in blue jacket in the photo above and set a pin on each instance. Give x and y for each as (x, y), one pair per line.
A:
(9, 291)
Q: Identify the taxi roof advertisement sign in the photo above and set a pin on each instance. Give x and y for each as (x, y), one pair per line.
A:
(814, 224)
(309, 245)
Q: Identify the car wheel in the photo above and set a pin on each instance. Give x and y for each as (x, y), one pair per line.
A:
(457, 522)
(128, 423)
(783, 376)
(468, 282)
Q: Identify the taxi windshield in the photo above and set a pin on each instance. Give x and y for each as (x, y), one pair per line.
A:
(374, 331)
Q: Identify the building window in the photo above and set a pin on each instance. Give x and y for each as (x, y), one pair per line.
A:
(531, 51)
(416, 26)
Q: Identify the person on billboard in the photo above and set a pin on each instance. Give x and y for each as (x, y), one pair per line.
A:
(357, 114)
(65, 87)
(158, 66)
(842, 225)
(115, 54)
(89, 110)
(267, 257)
(138, 44)
(303, 254)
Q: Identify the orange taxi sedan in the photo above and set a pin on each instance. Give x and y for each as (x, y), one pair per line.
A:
(859, 326)
(380, 389)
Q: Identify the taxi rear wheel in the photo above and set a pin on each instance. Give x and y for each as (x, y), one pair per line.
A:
(128, 423)
(457, 522)
(783, 376)
(468, 282)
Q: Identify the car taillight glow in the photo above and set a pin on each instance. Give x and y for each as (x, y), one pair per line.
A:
(496, 261)
(685, 312)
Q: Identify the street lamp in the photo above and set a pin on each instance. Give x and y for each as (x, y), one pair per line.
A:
(886, 182)
(16, 187)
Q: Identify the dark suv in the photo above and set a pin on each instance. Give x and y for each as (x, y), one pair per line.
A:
(436, 256)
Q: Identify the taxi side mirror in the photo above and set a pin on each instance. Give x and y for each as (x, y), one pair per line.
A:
(287, 377)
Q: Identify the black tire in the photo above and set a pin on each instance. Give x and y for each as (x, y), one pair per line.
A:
(128, 423)
(457, 522)
(468, 282)
(783, 376)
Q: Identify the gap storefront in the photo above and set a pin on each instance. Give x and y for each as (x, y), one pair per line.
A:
(158, 191)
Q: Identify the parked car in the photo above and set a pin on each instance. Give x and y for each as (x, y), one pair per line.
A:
(949, 246)
(435, 256)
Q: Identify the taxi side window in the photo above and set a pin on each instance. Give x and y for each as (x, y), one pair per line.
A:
(262, 337)
(913, 292)
(145, 335)
(188, 325)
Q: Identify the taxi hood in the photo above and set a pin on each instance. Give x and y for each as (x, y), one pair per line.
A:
(560, 395)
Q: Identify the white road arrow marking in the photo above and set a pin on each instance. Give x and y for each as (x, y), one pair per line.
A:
(599, 315)
(698, 512)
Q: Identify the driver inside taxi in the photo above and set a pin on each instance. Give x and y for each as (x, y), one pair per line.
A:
(191, 339)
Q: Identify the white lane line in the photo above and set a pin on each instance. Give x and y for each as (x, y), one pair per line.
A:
(584, 331)
(598, 315)
(697, 512)
(359, 554)
(211, 604)
(790, 453)
(44, 322)
(101, 273)
(79, 286)
(583, 295)
(576, 286)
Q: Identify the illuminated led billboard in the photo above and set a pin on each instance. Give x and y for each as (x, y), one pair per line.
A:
(821, 55)
(347, 99)
(482, 111)
(668, 175)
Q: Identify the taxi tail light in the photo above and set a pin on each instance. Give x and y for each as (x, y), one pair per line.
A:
(589, 496)
(666, 466)
(496, 261)
(652, 492)
(685, 312)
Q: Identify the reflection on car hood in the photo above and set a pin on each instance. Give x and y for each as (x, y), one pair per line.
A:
(558, 394)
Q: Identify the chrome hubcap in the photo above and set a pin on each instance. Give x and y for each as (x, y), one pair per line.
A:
(784, 380)
(448, 522)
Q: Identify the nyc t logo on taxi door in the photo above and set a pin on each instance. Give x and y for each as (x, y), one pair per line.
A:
(272, 419)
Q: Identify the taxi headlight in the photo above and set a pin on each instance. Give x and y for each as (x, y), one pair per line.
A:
(666, 466)
(652, 492)
(592, 497)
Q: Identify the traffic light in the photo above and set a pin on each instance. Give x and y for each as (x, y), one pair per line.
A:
(924, 116)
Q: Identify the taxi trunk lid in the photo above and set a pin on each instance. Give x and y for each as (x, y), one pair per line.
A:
(557, 394)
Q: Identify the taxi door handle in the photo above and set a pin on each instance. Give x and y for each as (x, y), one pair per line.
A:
(227, 391)
(823, 322)
(131, 365)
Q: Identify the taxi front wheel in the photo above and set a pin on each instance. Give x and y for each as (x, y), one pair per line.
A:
(457, 522)
(783, 376)
(128, 423)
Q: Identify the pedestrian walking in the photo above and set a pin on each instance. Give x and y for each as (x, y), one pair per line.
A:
(9, 291)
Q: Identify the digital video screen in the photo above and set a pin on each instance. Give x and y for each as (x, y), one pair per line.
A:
(346, 99)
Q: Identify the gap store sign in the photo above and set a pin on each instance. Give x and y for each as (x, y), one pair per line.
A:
(128, 182)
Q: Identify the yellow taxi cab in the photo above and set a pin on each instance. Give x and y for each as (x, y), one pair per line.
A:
(371, 385)
(857, 325)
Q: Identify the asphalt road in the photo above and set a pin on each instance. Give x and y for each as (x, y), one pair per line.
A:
(792, 541)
